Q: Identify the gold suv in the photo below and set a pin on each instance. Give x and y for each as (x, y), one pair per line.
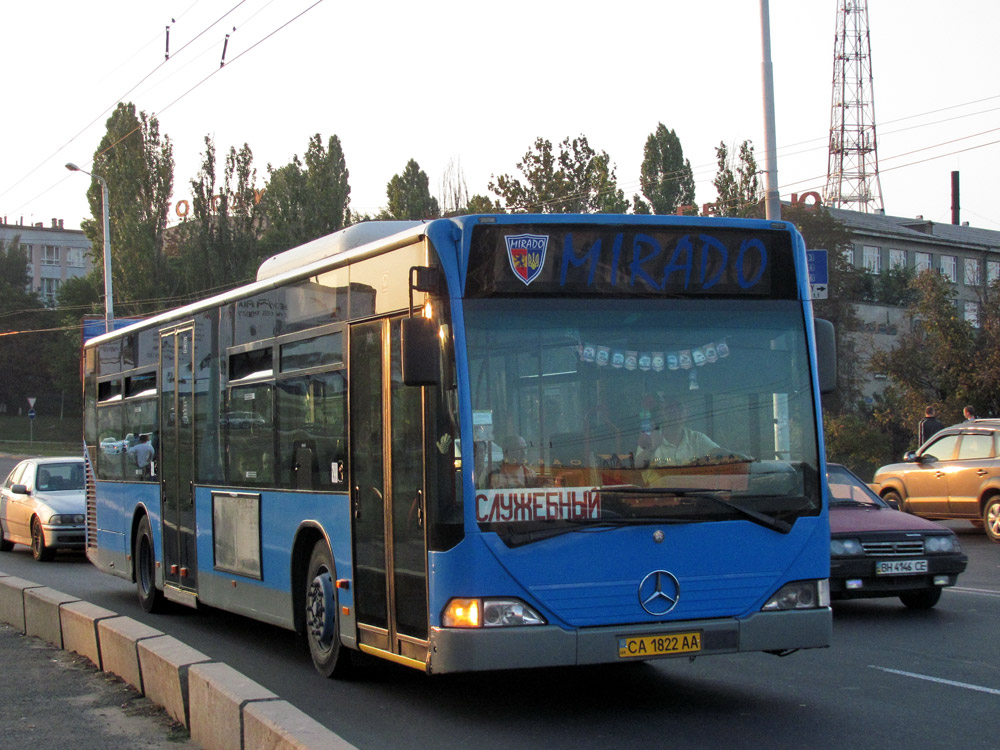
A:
(955, 475)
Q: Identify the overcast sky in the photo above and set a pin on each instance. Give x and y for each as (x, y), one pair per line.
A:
(473, 84)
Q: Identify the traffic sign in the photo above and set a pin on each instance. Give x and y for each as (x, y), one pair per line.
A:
(31, 402)
(31, 413)
(819, 275)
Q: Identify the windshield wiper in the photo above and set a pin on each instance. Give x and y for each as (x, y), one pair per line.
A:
(518, 538)
(770, 522)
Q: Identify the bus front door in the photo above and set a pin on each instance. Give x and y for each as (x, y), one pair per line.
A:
(387, 484)
(176, 456)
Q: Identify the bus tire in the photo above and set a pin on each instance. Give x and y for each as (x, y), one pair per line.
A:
(322, 625)
(150, 597)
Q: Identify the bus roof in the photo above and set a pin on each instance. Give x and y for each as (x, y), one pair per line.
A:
(330, 245)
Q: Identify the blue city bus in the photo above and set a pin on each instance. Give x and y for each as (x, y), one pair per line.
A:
(482, 442)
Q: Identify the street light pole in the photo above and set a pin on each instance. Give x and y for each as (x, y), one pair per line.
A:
(109, 305)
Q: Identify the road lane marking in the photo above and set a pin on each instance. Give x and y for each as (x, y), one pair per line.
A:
(965, 590)
(966, 685)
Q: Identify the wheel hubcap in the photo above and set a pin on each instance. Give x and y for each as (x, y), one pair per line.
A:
(320, 612)
(993, 520)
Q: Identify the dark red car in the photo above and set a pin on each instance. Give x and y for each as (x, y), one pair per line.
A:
(878, 551)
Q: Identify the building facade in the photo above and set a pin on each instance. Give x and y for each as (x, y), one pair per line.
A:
(55, 254)
(968, 257)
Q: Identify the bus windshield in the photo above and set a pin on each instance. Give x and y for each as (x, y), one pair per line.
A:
(603, 412)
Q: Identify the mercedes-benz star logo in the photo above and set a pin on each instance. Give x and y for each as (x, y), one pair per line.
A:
(659, 592)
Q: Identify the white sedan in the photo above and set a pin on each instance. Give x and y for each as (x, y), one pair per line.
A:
(43, 504)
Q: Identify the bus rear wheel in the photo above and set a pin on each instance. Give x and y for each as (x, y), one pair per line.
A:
(150, 598)
(322, 627)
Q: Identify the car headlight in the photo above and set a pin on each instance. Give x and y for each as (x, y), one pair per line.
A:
(844, 547)
(941, 544)
(489, 613)
(800, 595)
(66, 519)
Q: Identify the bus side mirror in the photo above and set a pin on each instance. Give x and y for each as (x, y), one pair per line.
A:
(826, 355)
(421, 352)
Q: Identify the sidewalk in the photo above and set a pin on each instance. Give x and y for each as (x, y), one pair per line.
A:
(55, 698)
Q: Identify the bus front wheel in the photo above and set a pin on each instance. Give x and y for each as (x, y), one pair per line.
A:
(329, 656)
(150, 598)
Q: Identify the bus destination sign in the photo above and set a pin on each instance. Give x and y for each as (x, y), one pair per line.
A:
(545, 259)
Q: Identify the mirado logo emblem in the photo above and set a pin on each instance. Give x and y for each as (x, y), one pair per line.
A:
(526, 253)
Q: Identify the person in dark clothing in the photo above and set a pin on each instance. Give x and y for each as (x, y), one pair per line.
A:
(928, 426)
(969, 413)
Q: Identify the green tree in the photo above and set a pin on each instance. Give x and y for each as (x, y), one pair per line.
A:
(23, 340)
(219, 244)
(577, 179)
(665, 176)
(942, 359)
(410, 196)
(736, 183)
(139, 168)
(306, 200)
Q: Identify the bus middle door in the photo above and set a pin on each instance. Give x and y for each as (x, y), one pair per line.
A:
(175, 454)
(387, 485)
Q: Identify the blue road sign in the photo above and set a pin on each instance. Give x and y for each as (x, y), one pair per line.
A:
(31, 413)
(818, 271)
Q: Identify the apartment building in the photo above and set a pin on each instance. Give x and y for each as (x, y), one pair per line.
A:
(967, 256)
(55, 254)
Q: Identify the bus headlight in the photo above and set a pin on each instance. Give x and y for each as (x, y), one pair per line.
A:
(800, 595)
(489, 613)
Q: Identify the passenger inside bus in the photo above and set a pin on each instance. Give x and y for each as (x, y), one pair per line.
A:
(512, 472)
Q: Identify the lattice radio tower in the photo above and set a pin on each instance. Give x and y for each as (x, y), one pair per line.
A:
(852, 169)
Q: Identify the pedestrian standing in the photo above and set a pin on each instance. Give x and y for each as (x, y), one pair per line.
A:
(928, 426)
(969, 413)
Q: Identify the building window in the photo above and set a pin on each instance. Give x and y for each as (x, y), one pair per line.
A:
(922, 262)
(76, 257)
(972, 313)
(897, 258)
(949, 267)
(972, 272)
(48, 290)
(50, 255)
(848, 255)
(873, 259)
(992, 271)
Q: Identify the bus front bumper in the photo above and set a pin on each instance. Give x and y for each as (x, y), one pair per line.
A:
(480, 649)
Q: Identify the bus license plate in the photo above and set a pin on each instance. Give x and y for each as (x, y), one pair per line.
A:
(659, 645)
(900, 567)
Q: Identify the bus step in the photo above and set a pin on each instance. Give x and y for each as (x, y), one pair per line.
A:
(181, 596)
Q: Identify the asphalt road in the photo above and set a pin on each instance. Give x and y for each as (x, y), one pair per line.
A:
(894, 677)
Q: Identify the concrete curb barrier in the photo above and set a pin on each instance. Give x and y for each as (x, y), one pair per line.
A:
(218, 694)
(78, 621)
(12, 600)
(164, 663)
(278, 725)
(41, 613)
(222, 708)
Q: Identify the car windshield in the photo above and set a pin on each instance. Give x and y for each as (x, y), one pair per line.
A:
(847, 489)
(629, 411)
(53, 477)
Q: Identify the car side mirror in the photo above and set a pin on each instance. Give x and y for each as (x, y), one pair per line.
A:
(20, 489)
(910, 457)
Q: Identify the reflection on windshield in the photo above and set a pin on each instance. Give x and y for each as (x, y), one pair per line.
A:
(574, 398)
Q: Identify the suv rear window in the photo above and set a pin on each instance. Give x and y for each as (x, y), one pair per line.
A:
(976, 446)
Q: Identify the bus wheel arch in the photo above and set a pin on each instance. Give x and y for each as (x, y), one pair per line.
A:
(320, 615)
